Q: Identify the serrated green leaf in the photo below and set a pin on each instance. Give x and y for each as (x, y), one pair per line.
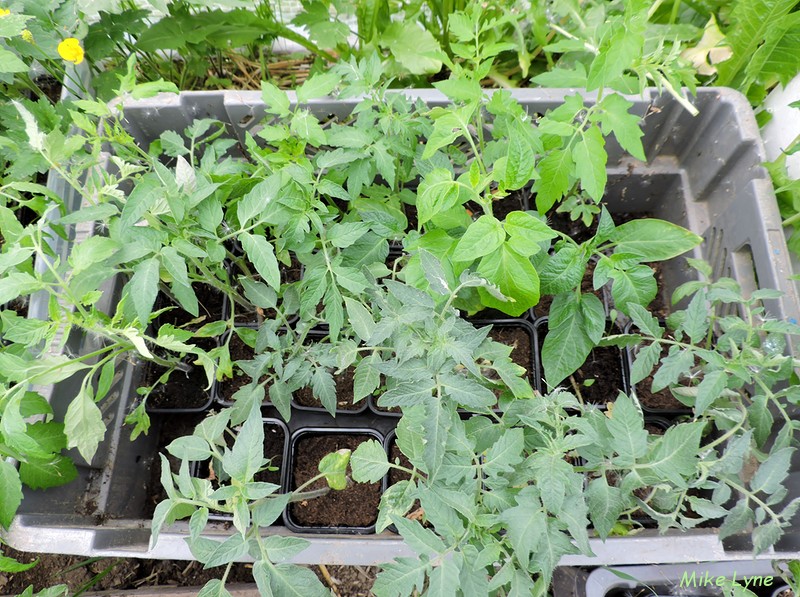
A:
(261, 253)
(369, 462)
(653, 240)
(41, 474)
(83, 424)
(615, 118)
(10, 493)
(555, 171)
(773, 472)
(143, 288)
(590, 158)
(516, 278)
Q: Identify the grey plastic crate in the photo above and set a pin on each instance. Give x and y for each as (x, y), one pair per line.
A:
(702, 172)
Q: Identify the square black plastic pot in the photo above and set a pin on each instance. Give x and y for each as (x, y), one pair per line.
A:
(272, 427)
(315, 336)
(298, 436)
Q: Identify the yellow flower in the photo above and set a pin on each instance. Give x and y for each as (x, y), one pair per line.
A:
(27, 36)
(4, 12)
(70, 49)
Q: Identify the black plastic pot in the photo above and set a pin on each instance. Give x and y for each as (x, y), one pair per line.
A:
(619, 364)
(502, 325)
(273, 428)
(314, 336)
(290, 516)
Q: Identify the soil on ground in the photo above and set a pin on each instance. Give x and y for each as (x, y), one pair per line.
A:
(356, 506)
(130, 573)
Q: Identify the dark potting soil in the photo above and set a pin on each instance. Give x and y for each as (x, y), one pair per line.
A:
(182, 389)
(516, 201)
(661, 400)
(356, 506)
(344, 393)
(274, 442)
(603, 372)
(395, 454)
(599, 379)
(170, 427)
(239, 351)
(209, 300)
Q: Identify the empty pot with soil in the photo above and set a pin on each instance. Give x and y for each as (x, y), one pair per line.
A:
(351, 510)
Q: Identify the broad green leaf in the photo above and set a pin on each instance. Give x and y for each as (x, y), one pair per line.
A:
(590, 158)
(516, 278)
(520, 161)
(296, 581)
(261, 253)
(360, 318)
(307, 128)
(255, 202)
(466, 392)
(737, 520)
(569, 339)
(555, 171)
(343, 235)
(13, 566)
(696, 322)
(423, 541)
(413, 46)
(525, 525)
(229, 550)
(275, 100)
(436, 426)
(83, 424)
(369, 462)
(41, 474)
(676, 453)
(181, 286)
(527, 232)
(143, 288)
(281, 549)
(643, 320)
(752, 23)
(605, 505)
(401, 577)
(709, 390)
(616, 54)
(366, 378)
(445, 579)
(505, 453)
(646, 359)
(317, 86)
(94, 249)
(482, 237)
(437, 193)
(773, 472)
(653, 240)
(634, 286)
(246, 457)
(627, 430)
(10, 492)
